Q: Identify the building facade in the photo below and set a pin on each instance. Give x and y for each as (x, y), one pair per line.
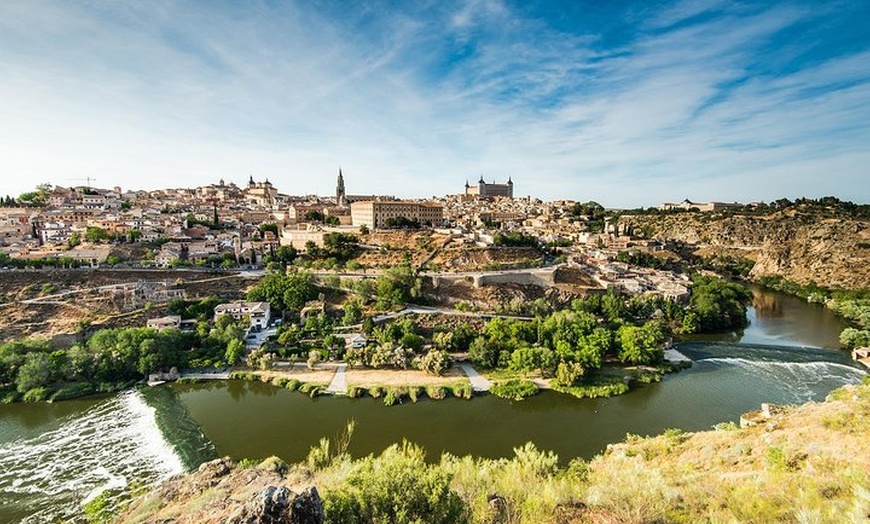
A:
(258, 312)
(700, 206)
(483, 189)
(375, 214)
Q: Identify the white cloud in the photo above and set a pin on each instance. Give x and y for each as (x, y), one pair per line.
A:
(155, 95)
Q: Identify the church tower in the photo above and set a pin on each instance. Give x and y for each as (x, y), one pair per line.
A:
(339, 190)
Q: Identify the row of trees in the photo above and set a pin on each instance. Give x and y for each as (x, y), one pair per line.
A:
(111, 358)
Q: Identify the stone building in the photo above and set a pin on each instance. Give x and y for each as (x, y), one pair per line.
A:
(483, 189)
(375, 213)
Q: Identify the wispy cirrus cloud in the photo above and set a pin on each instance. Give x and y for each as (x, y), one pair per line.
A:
(630, 106)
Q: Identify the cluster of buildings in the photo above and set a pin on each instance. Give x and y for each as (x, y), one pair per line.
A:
(229, 224)
(634, 280)
(688, 205)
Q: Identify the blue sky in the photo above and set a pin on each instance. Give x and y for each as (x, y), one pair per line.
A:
(627, 103)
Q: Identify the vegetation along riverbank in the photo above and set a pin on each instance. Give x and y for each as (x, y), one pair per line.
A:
(805, 464)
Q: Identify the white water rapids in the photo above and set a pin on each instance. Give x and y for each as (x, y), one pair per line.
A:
(802, 380)
(109, 446)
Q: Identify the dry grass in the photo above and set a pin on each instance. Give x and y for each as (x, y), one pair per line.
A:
(320, 375)
(362, 377)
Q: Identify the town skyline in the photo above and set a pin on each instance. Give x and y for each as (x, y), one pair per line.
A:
(629, 106)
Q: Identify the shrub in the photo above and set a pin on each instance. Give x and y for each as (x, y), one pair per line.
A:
(462, 390)
(275, 465)
(395, 395)
(600, 386)
(436, 362)
(74, 391)
(355, 391)
(568, 373)
(414, 393)
(397, 487)
(376, 391)
(436, 392)
(36, 394)
(630, 490)
(514, 389)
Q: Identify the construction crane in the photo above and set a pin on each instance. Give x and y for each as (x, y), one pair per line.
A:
(87, 178)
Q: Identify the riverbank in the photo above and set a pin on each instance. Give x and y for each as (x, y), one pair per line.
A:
(752, 474)
(460, 380)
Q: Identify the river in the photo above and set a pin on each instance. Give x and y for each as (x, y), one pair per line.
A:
(52, 456)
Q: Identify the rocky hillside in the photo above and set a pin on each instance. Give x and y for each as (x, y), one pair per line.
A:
(801, 246)
(802, 464)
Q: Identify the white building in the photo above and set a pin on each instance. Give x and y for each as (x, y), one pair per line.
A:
(259, 313)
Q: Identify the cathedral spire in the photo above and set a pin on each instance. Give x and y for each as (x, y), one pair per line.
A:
(340, 196)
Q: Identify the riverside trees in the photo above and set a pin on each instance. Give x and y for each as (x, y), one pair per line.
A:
(111, 359)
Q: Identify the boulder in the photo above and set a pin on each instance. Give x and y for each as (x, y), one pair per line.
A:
(279, 505)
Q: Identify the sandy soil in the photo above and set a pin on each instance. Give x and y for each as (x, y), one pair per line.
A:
(321, 375)
(396, 377)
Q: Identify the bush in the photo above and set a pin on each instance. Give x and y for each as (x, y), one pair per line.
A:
(414, 393)
(275, 465)
(36, 394)
(397, 487)
(600, 386)
(630, 490)
(395, 395)
(568, 373)
(292, 385)
(514, 389)
(436, 362)
(73, 391)
(376, 391)
(436, 392)
(462, 390)
(355, 392)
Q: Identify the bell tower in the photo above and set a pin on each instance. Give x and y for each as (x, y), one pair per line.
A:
(339, 190)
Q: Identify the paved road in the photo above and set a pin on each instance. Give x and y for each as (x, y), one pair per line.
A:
(426, 310)
(338, 385)
(478, 383)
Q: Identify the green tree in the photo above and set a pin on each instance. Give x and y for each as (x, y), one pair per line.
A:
(285, 292)
(235, 352)
(719, 304)
(640, 345)
(34, 372)
(95, 235)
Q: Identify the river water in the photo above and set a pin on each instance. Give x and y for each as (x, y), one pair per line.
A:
(53, 456)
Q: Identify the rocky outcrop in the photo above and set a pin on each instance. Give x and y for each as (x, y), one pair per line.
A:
(220, 492)
(279, 505)
(799, 246)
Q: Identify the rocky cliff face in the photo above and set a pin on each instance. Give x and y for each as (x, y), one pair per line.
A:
(801, 247)
(221, 492)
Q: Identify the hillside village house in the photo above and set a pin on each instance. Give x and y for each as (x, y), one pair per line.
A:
(259, 313)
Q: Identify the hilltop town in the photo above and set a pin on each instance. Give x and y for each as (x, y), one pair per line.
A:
(224, 227)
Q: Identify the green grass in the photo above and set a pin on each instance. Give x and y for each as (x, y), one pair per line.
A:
(514, 389)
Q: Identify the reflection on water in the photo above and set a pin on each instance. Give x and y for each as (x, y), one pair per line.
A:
(766, 305)
(779, 319)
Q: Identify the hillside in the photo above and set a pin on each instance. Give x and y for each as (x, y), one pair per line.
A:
(805, 464)
(800, 245)
(51, 303)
